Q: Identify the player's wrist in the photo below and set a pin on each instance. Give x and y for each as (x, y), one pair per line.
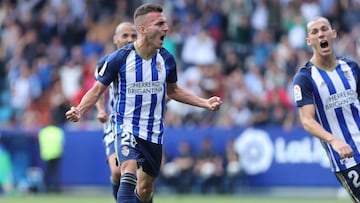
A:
(331, 140)
(78, 111)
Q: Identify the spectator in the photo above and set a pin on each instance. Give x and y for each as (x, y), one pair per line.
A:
(178, 173)
(232, 167)
(51, 143)
(208, 168)
(6, 176)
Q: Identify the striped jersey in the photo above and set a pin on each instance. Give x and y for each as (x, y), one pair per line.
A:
(335, 95)
(107, 126)
(139, 90)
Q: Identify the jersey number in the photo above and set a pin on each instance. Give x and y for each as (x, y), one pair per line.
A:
(128, 139)
(354, 175)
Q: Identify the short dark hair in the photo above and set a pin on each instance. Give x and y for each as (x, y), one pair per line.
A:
(147, 8)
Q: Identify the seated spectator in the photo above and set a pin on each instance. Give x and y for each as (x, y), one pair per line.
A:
(209, 168)
(232, 166)
(178, 173)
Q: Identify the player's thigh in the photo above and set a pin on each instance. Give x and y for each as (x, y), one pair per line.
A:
(151, 154)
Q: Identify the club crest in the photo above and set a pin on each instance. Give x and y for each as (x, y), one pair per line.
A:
(125, 150)
(159, 66)
(347, 74)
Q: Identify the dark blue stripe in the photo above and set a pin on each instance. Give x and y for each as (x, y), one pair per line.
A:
(323, 120)
(154, 77)
(120, 100)
(138, 98)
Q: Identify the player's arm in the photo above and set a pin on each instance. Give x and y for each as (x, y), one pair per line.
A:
(102, 116)
(87, 101)
(181, 95)
(307, 118)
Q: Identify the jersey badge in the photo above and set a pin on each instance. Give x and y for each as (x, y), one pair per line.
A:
(125, 150)
(297, 93)
(159, 67)
(131, 69)
(347, 74)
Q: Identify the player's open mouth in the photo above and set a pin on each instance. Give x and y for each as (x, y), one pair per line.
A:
(324, 44)
(162, 38)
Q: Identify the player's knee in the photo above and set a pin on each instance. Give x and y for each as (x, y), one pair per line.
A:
(115, 177)
(145, 193)
(116, 174)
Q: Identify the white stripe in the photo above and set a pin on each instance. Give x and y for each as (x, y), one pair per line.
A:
(320, 83)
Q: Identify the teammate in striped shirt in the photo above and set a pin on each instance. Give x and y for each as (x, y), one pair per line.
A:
(142, 73)
(125, 33)
(326, 91)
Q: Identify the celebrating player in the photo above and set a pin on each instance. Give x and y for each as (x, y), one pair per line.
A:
(142, 73)
(326, 92)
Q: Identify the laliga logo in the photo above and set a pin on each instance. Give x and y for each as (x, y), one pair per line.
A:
(256, 151)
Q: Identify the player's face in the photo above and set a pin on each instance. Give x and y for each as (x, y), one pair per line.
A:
(156, 29)
(126, 35)
(321, 37)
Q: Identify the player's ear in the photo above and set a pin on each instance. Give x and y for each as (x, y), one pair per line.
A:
(308, 41)
(114, 39)
(334, 33)
(141, 29)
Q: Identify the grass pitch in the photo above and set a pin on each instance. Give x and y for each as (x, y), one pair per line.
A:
(64, 198)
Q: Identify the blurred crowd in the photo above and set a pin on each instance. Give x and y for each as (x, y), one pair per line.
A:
(204, 170)
(246, 51)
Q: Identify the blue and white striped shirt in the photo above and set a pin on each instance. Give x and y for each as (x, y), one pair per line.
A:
(139, 90)
(335, 95)
(107, 126)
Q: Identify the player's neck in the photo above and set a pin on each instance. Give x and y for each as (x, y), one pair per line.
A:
(326, 63)
(146, 52)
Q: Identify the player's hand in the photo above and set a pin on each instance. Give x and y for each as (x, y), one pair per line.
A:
(342, 148)
(73, 114)
(102, 116)
(214, 103)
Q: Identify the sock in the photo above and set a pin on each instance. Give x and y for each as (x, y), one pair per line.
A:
(126, 190)
(115, 187)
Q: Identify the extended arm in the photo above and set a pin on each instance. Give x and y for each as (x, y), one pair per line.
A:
(181, 95)
(307, 117)
(88, 100)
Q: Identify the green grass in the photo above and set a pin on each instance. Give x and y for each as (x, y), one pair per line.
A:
(164, 199)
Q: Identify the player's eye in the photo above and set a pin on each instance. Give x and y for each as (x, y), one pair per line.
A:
(324, 28)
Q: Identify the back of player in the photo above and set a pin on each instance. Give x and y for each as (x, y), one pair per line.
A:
(124, 34)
